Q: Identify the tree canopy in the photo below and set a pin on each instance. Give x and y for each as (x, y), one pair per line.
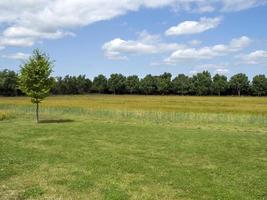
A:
(199, 84)
(116, 83)
(239, 83)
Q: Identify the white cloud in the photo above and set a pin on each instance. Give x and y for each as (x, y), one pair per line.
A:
(193, 72)
(193, 27)
(17, 42)
(223, 71)
(212, 66)
(209, 52)
(237, 5)
(256, 57)
(34, 20)
(145, 44)
(195, 42)
(17, 56)
(14, 31)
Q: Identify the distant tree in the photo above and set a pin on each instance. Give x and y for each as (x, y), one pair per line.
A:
(148, 85)
(181, 84)
(8, 83)
(239, 83)
(259, 85)
(35, 78)
(132, 84)
(116, 83)
(100, 83)
(220, 84)
(202, 83)
(163, 83)
(83, 84)
(70, 85)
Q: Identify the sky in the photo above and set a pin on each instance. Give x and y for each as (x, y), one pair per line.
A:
(139, 37)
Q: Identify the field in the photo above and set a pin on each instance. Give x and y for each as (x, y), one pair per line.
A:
(134, 147)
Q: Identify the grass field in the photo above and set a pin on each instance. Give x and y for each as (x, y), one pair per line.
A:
(134, 147)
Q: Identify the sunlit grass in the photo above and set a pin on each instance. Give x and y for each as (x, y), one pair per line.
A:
(4, 115)
(134, 147)
(154, 103)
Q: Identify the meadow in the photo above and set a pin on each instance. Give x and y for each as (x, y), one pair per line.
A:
(134, 147)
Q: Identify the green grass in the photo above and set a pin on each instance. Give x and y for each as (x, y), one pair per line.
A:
(112, 147)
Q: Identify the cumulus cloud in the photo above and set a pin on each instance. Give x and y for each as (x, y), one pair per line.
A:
(17, 56)
(52, 19)
(145, 44)
(19, 32)
(221, 68)
(209, 52)
(256, 57)
(27, 21)
(222, 71)
(193, 27)
(17, 42)
(195, 42)
(237, 5)
(212, 66)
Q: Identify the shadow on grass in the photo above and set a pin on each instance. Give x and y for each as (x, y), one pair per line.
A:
(55, 121)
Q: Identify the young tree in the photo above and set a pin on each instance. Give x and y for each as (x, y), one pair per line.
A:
(181, 84)
(116, 83)
(259, 85)
(132, 84)
(239, 83)
(220, 84)
(35, 78)
(100, 83)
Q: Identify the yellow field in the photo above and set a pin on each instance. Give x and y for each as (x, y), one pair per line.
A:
(238, 105)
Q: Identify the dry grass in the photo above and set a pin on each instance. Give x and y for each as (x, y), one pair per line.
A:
(237, 105)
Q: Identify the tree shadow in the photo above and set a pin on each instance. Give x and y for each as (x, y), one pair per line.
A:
(55, 121)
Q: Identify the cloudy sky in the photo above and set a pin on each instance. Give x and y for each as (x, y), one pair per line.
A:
(137, 36)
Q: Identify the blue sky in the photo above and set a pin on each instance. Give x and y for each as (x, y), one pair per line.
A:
(137, 36)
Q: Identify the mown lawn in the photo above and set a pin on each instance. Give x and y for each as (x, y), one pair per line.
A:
(112, 147)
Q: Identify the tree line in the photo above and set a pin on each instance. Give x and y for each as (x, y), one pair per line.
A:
(200, 84)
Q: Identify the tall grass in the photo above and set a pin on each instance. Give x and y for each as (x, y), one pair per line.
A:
(4, 115)
(234, 105)
(140, 116)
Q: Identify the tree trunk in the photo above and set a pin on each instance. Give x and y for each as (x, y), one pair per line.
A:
(239, 93)
(37, 113)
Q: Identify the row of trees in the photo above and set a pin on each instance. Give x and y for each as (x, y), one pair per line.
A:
(200, 84)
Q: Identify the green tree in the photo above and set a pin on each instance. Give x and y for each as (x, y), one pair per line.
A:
(100, 83)
(35, 78)
(239, 83)
(83, 84)
(148, 84)
(220, 84)
(202, 83)
(132, 84)
(163, 83)
(116, 83)
(8, 83)
(259, 85)
(181, 84)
